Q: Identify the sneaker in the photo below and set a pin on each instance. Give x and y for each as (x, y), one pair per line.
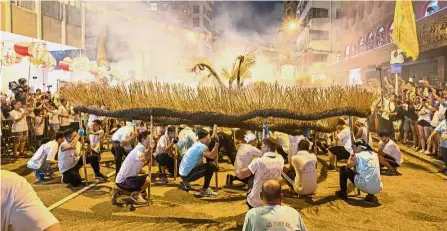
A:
(427, 152)
(40, 176)
(331, 168)
(421, 151)
(137, 198)
(164, 179)
(370, 198)
(341, 195)
(208, 192)
(100, 176)
(229, 181)
(185, 186)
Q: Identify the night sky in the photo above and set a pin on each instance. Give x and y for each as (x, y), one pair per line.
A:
(259, 15)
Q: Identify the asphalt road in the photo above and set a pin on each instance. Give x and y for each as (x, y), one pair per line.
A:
(416, 200)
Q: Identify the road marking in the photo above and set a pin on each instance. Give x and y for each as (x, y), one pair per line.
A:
(75, 194)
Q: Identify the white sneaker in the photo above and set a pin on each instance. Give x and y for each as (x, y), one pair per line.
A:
(137, 198)
(426, 152)
(421, 151)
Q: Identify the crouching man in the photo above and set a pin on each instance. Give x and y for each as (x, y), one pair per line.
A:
(45, 157)
(366, 176)
(128, 178)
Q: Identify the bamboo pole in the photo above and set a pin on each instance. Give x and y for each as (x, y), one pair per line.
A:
(176, 155)
(216, 160)
(84, 158)
(149, 167)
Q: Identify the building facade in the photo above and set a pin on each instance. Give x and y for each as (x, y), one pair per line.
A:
(367, 43)
(290, 9)
(319, 32)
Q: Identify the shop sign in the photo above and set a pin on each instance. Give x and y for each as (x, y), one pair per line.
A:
(396, 68)
(432, 31)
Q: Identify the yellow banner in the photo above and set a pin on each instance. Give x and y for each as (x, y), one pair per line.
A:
(404, 33)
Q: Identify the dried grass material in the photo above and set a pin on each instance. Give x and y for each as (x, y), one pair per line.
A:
(219, 104)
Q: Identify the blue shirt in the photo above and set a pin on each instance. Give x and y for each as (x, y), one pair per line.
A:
(192, 158)
(441, 129)
(273, 217)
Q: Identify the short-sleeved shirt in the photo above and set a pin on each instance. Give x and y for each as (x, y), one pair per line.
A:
(304, 164)
(368, 178)
(122, 134)
(21, 208)
(163, 142)
(442, 130)
(392, 150)
(132, 165)
(45, 152)
(54, 117)
(345, 137)
(20, 126)
(95, 140)
(192, 158)
(268, 167)
(283, 140)
(245, 155)
(294, 141)
(65, 121)
(67, 159)
(39, 125)
(273, 217)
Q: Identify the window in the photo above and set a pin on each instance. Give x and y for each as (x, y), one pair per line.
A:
(196, 9)
(52, 9)
(175, 6)
(337, 13)
(30, 5)
(153, 6)
(319, 35)
(320, 13)
(320, 57)
(74, 15)
(196, 22)
(165, 6)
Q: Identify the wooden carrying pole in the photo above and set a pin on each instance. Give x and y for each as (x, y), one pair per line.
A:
(176, 155)
(216, 160)
(149, 166)
(84, 159)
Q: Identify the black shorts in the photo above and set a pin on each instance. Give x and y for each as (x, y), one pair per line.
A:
(424, 123)
(340, 152)
(133, 183)
(391, 160)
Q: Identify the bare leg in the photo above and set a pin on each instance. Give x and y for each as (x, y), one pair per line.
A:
(414, 130)
(427, 132)
(16, 146)
(421, 137)
(22, 144)
(385, 163)
(331, 158)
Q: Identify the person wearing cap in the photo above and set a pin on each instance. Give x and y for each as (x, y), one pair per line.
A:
(302, 176)
(192, 168)
(341, 152)
(389, 153)
(269, 166)
(366, 176)
(246, 153)
(272, 215)
(441, 130)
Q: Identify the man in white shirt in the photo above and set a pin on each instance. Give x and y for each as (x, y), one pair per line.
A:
(366, 176)
(95, 137)
(64, 115)
(272, 215)
(70, 162)
(269, 166)
(389, 153)
(302, 177)
(191, 167)
(128, 178)
(341, 152)
(122, 140)
(45, 157)
(246, 153)
(164, 154)
(21, 208)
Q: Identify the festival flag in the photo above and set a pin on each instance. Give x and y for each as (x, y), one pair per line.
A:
(404, 33)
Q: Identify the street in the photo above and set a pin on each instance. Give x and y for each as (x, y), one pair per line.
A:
(413, 201)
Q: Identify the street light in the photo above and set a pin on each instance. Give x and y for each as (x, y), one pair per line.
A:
(292, 26)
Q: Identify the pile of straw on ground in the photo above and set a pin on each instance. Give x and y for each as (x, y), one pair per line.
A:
(218, 105)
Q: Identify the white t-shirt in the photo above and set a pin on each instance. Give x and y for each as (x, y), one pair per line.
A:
(91, 118)
(45, 152)
(162, 143)
(345, 137)
(65, 121)
(365, 136)
(283, 140)
(21, 208)
(268, 167)
(122, 134)
(273, 217)
(132, 165)
(294, 141)
(367, 178)
(95, 140)
(426, 116)
(54, 117)
(39, 125)
(393, 150)
(245, 155)
(22, 125)
(304, 164)
(67, 159)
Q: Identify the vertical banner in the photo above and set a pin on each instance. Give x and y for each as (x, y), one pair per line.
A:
(404, 32)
